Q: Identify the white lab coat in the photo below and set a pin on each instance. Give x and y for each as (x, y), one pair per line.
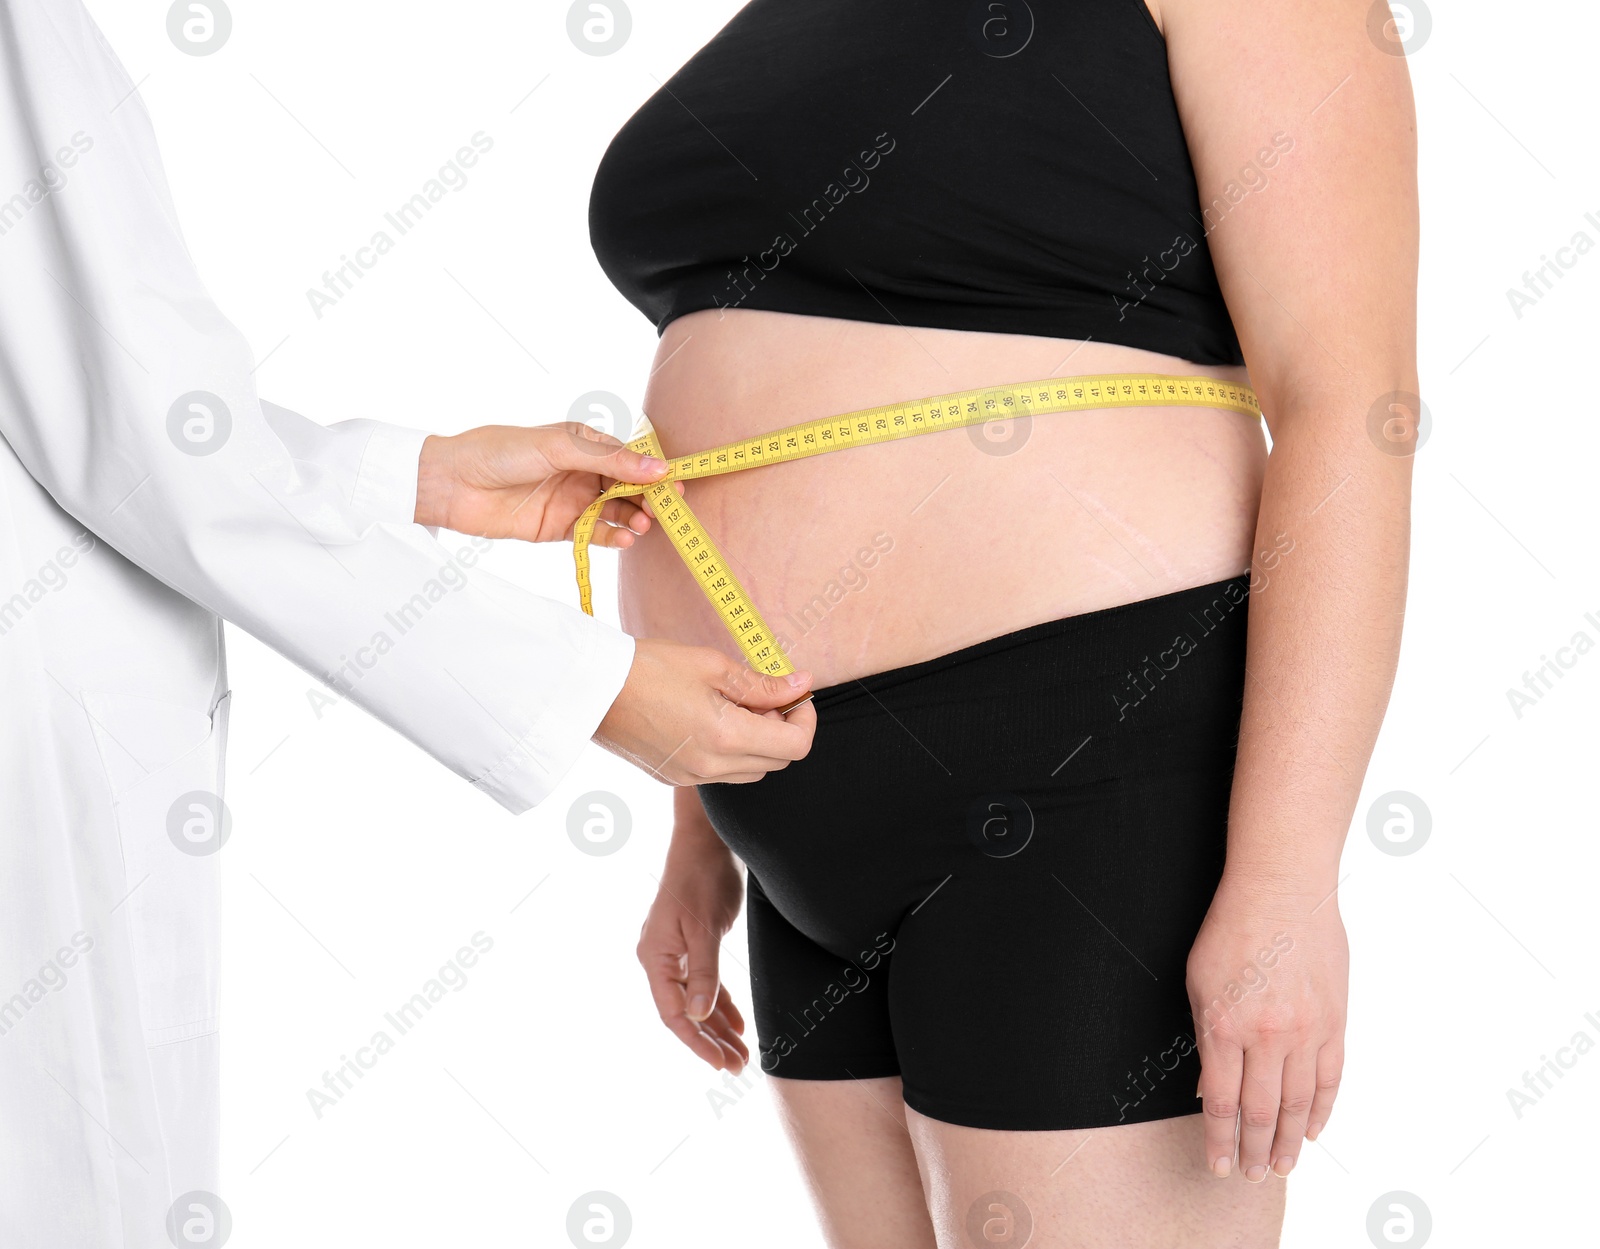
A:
(121, 552)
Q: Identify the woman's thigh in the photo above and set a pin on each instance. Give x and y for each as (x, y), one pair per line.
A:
(984, 883)
(851, 1140)
(1135, 1186)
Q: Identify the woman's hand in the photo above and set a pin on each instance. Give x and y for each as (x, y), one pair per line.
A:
(1268, 983)
(701, 891)
(505, 481)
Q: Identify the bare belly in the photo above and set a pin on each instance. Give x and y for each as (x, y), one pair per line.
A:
(870, 559)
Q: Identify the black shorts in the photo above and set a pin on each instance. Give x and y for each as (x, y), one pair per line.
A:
(986, 876)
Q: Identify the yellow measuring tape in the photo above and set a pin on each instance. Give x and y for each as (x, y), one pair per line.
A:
(859, 429)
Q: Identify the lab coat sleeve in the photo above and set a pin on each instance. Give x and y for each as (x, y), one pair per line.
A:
(130, 398)
(374, 463)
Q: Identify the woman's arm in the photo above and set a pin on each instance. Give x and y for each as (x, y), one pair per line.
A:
(679, 946)
(1303, 137)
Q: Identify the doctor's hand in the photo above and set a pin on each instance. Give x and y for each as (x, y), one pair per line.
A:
(689, 714)
(507, 481)
(701, 889)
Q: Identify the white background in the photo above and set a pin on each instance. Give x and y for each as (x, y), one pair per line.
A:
(357, 866)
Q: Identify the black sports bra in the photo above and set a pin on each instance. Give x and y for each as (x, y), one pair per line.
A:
(992, 165)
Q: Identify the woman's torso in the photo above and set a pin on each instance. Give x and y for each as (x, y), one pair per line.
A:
(869, 559)
(1012, 184)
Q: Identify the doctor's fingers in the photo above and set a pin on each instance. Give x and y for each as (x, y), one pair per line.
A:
(575, 447)
(756, 691)
(627, 512)
(791, 735)
(621, 521)
(741, 743)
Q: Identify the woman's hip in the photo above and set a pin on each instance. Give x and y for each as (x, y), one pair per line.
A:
(1091, 755)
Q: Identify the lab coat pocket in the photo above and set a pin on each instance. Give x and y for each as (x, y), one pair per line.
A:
(164, 764)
